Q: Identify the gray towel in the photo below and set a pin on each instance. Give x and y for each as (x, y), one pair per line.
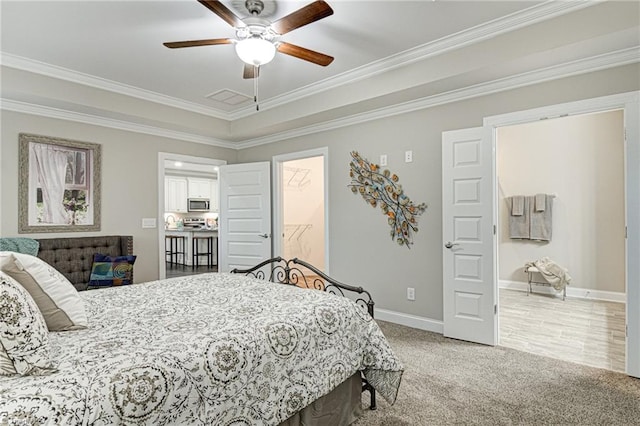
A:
(541, 221)
(540, 202)
(519, 225)
(517, 205)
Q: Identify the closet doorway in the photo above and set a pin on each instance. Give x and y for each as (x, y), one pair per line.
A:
(300, 208)
(581, 161)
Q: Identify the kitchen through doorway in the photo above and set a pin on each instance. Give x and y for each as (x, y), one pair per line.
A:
(579, 162)
(300, 222)
(188, 207)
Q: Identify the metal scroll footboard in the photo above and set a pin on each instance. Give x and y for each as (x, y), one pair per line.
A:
(289, 272)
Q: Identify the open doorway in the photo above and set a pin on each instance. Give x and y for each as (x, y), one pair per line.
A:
(188, 208)
(300, 211)
(578, 162)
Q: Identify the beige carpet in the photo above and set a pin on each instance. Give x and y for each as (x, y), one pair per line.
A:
(453, 382)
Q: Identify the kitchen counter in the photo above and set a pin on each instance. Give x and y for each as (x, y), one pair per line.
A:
(212, 231)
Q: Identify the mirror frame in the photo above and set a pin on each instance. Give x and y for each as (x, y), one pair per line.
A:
(27, 193)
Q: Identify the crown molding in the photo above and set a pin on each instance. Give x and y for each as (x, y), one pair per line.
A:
(534, 14)
(582, 66)
(514, 21)
(61, 73)
(595, 63)
(49, 112)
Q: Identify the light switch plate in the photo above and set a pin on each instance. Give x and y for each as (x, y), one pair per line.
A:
(411, 293)
(383, 160)
(408, 156)
(148, 222)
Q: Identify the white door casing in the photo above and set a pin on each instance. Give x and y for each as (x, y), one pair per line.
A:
(244, 223)
(632, 219)
(469, 290)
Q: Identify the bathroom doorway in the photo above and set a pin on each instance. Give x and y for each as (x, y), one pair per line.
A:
(578, 161)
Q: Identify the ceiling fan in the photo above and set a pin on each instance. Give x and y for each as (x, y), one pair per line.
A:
(258, 39)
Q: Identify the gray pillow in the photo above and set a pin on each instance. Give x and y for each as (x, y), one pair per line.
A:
(57, 299)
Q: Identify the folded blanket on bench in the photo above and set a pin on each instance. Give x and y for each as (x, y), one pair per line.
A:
(553, 273)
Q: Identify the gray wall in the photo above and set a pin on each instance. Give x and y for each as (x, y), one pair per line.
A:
(360, 250)
(129, 179)
(580, 159)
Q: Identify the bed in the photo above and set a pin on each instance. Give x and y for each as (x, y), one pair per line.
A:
(217, 348)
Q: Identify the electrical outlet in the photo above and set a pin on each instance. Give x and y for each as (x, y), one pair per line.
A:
(408, 156)
(383, 160)
(411, 293)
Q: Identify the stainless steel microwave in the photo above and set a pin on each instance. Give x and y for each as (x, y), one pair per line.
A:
(198, 204)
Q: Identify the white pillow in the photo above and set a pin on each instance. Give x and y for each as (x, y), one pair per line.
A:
(56, 297)
(23, 333)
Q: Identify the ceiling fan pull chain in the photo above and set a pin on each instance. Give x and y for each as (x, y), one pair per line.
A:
(256, 73)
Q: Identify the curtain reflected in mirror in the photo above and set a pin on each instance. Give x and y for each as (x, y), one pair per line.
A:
(59, 185)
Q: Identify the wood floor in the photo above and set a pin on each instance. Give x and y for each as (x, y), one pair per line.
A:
(589, 332)
(180, 271)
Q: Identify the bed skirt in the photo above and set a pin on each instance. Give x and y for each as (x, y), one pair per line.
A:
(340, 407)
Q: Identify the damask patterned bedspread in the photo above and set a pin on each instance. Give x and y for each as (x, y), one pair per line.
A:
(214, 349)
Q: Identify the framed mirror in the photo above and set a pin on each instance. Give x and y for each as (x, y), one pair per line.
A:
(59, 185)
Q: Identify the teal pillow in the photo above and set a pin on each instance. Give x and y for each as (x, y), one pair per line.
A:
(20, 245)
(108, 271)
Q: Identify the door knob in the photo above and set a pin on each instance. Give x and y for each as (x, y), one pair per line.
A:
(264, 235)
(449, 244)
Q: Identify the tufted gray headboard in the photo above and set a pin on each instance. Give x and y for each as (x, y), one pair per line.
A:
(73, 256)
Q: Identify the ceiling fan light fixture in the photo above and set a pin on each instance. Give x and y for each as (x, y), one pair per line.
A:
(255, 51)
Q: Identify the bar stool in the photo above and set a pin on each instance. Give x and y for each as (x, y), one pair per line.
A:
(174, 246)
(196, 253)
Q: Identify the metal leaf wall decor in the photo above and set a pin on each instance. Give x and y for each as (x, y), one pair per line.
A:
(381, 188)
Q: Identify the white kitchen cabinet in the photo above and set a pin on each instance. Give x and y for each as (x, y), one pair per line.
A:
(199, 188)
(175, 194)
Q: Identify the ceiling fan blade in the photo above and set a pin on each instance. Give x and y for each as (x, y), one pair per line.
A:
(250, 71)
(193, 43)
(223, 12)
(305, 54)
(301, 17)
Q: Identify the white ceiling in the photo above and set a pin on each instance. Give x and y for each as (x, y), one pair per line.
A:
(119, 44)
(122, 40)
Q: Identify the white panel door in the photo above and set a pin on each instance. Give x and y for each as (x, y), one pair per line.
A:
(469, 311)
(245, 215)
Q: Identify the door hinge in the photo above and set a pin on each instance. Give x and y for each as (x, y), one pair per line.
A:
(626, 330)
(494, 230)
(495, 309)
(625, 232)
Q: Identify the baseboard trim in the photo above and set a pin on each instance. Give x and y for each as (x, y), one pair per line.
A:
(409, 320)
(436, 326)
(580, 293)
